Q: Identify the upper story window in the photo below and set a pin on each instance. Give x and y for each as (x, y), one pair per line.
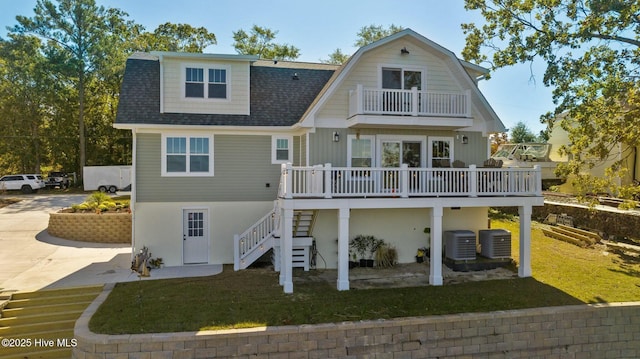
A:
(216, 80)
(281, 149)
(401, 79)
(187, 155)
(194, 86)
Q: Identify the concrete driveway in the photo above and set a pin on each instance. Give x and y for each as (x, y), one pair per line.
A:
(31, 259)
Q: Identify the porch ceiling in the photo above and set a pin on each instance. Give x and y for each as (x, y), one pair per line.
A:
(412, 122)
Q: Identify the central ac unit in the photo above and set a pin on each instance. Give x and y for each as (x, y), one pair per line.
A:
(495, 243)
(460, 245)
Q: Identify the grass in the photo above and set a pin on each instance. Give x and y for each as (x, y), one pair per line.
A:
(563, 274)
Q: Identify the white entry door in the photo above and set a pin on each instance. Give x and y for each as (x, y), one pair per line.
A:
(195, 236)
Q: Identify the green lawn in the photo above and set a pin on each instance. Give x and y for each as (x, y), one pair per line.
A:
(562, 274)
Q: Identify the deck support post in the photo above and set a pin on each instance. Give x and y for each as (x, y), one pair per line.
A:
(286, 251)
(435, 262)
(524, 268)
(343, 248)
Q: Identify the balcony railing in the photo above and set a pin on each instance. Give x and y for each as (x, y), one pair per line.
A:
(409, 102)
(335, 182)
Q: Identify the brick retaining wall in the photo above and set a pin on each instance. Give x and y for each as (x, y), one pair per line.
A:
(583, 331)
(91, 227)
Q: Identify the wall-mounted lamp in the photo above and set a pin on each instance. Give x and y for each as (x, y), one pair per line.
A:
(404, 51)
(465, 139)
(336, 137)
(295, 76)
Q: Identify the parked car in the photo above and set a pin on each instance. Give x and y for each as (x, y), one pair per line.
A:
(26, 183)
(57, 179)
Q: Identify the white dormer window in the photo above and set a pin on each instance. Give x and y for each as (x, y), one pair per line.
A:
(214, 77)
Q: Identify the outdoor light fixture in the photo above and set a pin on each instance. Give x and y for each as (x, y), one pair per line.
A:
(404, 51)
(295, 76)
(336, 137)
(465, 139)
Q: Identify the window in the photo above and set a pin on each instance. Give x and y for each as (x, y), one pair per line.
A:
(441, 151)
(217, 83)
(360, 154)
(187, 155)
(216, 80)
(400, 79)
(194, 86)
(281, 149)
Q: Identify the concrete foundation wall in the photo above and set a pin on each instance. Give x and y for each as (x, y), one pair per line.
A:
(584, 331)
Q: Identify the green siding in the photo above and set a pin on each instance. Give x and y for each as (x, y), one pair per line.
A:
(324, 150)
(242, 170)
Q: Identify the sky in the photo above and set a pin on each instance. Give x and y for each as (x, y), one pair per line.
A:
(318, 28)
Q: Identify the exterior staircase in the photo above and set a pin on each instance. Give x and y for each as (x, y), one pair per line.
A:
(265, 235)
(40, 324)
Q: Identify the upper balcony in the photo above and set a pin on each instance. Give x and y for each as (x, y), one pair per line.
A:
(406, 182)
(368, 106)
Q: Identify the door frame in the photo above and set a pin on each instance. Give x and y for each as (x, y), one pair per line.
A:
(207, 223)
(401, 138)
(432, 139)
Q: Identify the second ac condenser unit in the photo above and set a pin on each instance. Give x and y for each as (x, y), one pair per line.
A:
(495, 243)
(460, 245)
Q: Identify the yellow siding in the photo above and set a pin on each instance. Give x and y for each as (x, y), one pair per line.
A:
(237, 90)
(367, 73)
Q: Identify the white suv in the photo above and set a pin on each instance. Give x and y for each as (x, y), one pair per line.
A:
(24, 183)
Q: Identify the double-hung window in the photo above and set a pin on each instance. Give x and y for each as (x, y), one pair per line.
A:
(214, 78)
(360, 154)
(281, 149)
(187, 155)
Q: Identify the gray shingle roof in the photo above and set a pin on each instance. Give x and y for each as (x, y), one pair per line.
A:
(276, 98)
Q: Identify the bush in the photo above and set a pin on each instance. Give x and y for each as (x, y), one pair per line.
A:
(97, 198)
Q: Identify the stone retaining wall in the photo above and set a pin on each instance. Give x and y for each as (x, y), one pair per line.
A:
(91, 227)
(610, 222)
(583, 331)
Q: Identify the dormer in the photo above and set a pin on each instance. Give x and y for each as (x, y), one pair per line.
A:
(198, 83)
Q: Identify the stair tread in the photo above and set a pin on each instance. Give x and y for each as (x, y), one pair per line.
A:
(56, 292)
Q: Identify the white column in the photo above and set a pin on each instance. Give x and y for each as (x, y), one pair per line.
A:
(435, 262)
(343, 249)
(286, 251)
(524, 269)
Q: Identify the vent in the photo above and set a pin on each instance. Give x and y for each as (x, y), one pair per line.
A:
(460, 245)
(495, 243)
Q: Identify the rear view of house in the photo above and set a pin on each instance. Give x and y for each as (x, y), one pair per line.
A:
(235, 156)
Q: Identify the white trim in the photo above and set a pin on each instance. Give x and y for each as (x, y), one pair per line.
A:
(161, 61)
(207, 235)
(187, 173)
(373, 147)
(205, 69)
(274, 144)
(403, 68)
(430, 141)
(402, 138)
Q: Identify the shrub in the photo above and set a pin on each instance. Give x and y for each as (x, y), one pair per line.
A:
(97, 198)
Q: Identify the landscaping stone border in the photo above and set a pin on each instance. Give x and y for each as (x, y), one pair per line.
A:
(91, 227)
(582, 331)
(610, 222)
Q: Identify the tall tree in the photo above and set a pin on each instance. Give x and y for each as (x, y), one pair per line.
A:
(365, 36)
(259, 41)
(176, 37)
(373, 33)
(24, 90)
(336, 58)
(81, 32)
(592, 55)
(520, 133)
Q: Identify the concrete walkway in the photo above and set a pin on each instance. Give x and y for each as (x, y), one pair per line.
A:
(31, 259)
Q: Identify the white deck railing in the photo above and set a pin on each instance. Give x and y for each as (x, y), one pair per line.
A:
(409, 102)
(256, 240)
(334, 182)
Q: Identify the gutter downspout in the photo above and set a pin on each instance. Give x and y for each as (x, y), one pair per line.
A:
(132, 201)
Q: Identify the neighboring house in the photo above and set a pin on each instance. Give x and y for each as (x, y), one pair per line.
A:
(233, 154)
(629, 155)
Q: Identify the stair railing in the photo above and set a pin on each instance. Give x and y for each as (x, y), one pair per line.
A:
(256, 238)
